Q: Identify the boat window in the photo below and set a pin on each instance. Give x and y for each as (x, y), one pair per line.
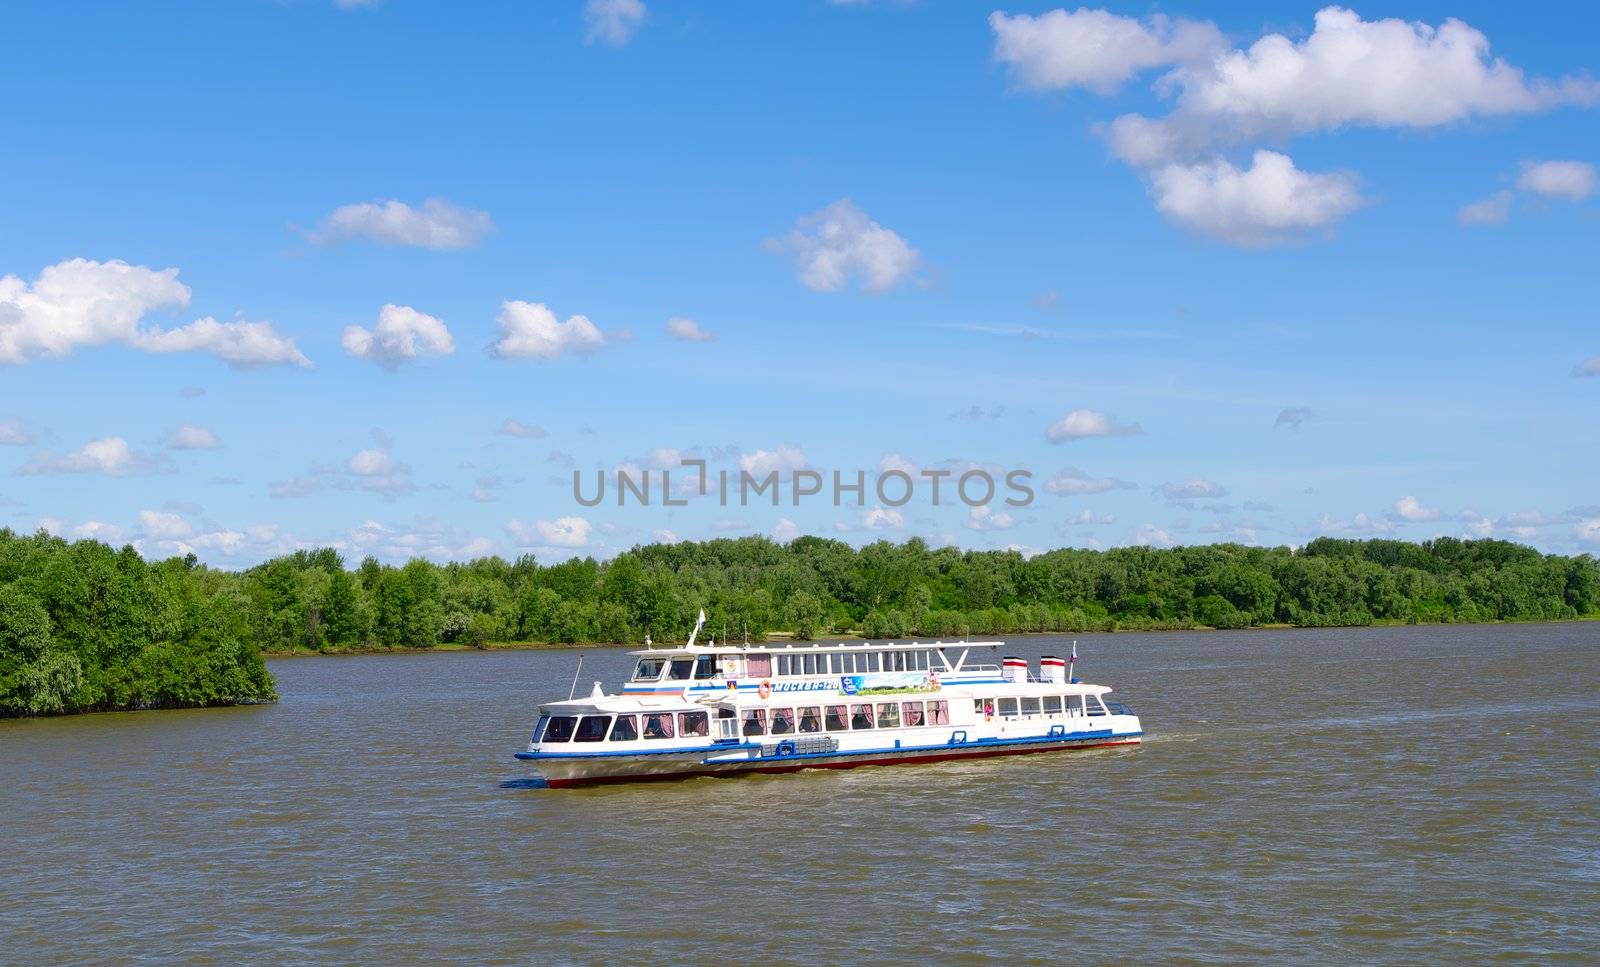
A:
(939, 713)
(658, 725)
(861, 716)
(760, 666)
(983, 707)
(705, 666)
(538, 726)
(680, 669)
(783, 664)
(626, 729)
(649, 669)
(899, 661)
(782, 721)
(1074, 704)
(889, 715)
(911, 714)
(1030, 705)
(811, 664)
(1095, 706)
(837, 719)
(592, 728)
(1052, 705)
(811, 719)
(1008, 706)
(755, 721)
(692, 723)
(560, 728)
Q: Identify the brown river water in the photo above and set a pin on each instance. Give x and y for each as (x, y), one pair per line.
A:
(1404, 795)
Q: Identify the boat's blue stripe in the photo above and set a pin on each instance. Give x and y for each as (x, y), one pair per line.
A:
(972, 743)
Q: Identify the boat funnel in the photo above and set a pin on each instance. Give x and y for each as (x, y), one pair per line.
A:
(1053, 668)
(1014, 669)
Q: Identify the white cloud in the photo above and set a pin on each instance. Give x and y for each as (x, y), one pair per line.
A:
(188, 437)
(84, 303)
(984, 518)
(1362, 525)
(1082, 424)
(526, 431)
(1569, 180)
(1195, 488)
(95, 530)
(665, 536)
(1087, 518)
(688, 330)
(1074, 482)
(437, 224)
(110, 456)
(1149, 535)
(1093, 48)
(1589, 367)
(371, 470)
(531, 330)
(561, 532)
(1269, 203)
(1494, 210)
(785, 530)
(612, 22)
(839, 243)
(900, 462)
(1588, 530)
(784, 459)
(1293, 417)
(882, 518)
(1409, 508)
(14, 434)
(162, 525)
(402, 333)
(1477, 525)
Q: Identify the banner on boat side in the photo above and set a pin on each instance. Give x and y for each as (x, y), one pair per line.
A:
(885, 683)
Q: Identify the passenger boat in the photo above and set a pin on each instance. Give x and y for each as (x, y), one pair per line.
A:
(714, 710)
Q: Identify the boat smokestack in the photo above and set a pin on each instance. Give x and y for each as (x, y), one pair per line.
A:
(1053, 668)
(1014, 669)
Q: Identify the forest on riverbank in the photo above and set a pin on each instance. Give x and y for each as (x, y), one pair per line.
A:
(85, 627)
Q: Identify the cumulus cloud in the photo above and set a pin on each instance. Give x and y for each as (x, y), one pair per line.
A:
(402, 333)
(1410, 508)
(372, 470)
(1494, 210)
(1093, 48)
(785, 530)
(1074, 482)
(688, 330)
(529, 330)
(80, 302)
(110, 456)
(1362, 525)
(985, 518)
(436, 224)
(14, 434)
(1589, 367)
(1195, 488)
(1293, 417)
(561, 532)
(162, 525)
(96, 530)
(525, 431)
(1269, 203)
(1568, 180)
(1149, 535)
(612, 22)
(882, 518)
(839, 243)
(1588, 530)
(1082, 424)
(784, 460)
(188, 437)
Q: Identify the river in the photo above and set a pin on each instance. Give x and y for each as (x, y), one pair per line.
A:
(1417, 795)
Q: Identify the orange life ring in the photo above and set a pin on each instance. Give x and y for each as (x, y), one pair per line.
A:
(765, 691)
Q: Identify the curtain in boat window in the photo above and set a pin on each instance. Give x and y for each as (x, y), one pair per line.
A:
(693, 723)
(760, 666)
(626, 729)
(782, 721)
(911, 714)
(658, 725)
(939, 713)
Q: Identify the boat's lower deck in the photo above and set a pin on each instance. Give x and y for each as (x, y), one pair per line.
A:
(562, 770)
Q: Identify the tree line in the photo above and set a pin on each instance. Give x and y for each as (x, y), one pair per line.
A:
(84, 626)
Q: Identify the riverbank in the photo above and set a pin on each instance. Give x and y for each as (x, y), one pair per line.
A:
(782, 636)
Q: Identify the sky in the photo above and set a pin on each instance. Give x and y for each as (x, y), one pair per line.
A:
(384, 275)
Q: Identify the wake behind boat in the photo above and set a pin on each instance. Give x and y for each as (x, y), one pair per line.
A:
(715, 710)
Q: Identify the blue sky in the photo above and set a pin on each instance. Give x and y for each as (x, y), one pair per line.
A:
(1330, 274)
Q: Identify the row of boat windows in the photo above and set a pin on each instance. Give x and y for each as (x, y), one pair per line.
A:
(765, 666)
(1040, 705)
(842, 718)
(620, 728)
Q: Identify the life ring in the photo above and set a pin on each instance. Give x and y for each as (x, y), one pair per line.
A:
(765, 691)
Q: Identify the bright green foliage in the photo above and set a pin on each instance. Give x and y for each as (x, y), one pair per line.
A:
(83, 626)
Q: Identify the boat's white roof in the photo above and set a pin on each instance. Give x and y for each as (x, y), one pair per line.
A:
(789, 648)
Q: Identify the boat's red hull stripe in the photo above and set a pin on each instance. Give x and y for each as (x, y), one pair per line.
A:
(843, 764)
